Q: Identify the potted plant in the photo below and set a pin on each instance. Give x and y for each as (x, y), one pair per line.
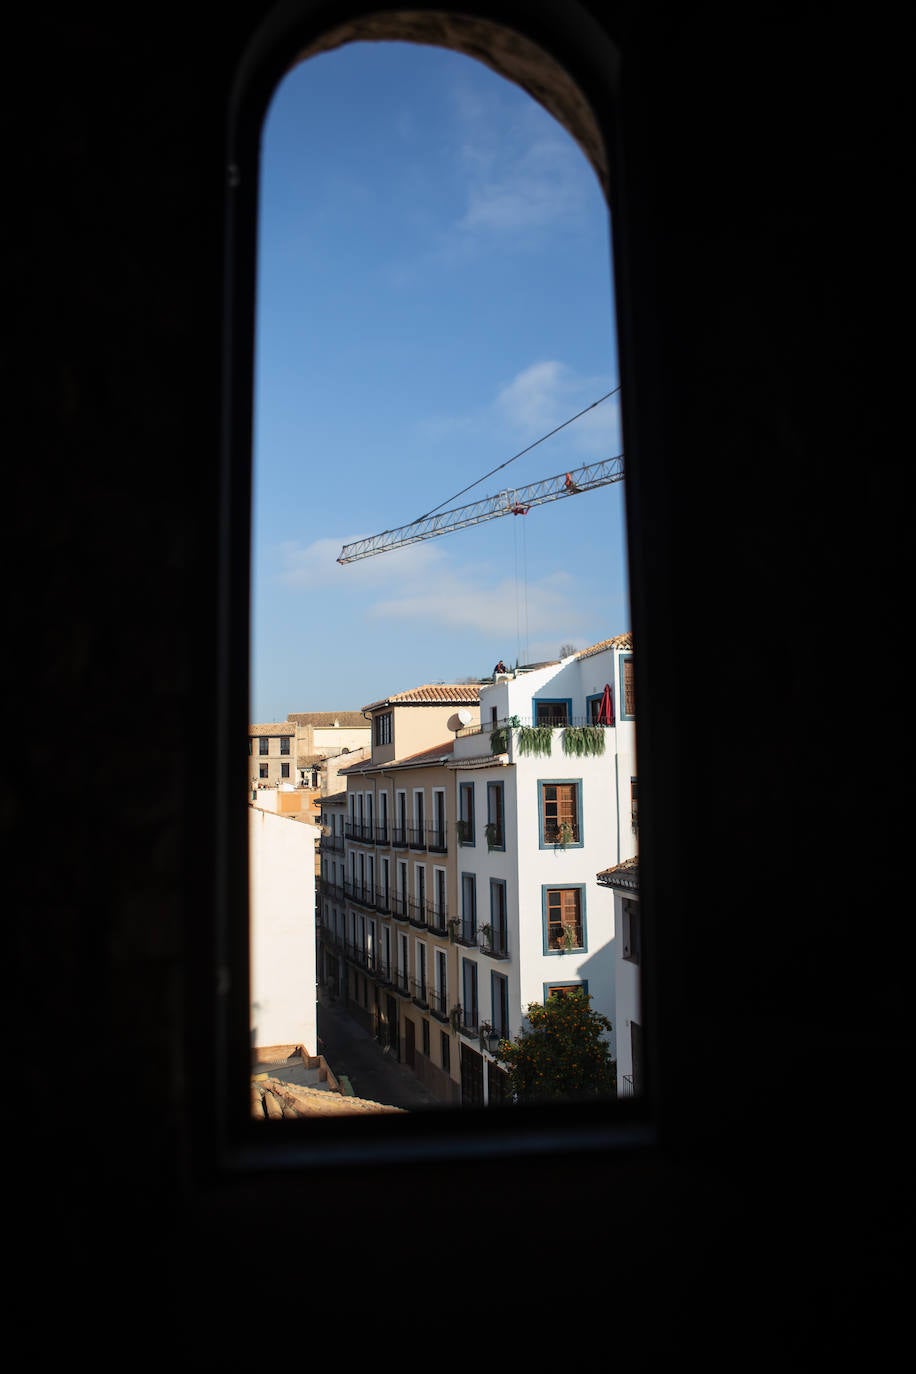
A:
(565, 834)
(454, 1017)
(453, 929)
(464, 831)
(491, 830)
(570, 939)
(486, 932)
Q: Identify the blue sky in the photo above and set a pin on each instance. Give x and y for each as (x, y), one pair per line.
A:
(434, 294)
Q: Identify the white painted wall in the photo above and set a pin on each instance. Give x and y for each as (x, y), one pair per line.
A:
(527, 866)
(282, 925)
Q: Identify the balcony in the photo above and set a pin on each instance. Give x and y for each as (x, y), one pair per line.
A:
(419, 993)
(494, 943)
(359, 832)
(438, 1005)
(381, 833)
(418, 914)
(465, 933)
(399, 837)
(400, 907)
(437, 839)
(437, 922)
(416, 837)
(378, 969)
(382, 901)
(401, 983)
(360, 894)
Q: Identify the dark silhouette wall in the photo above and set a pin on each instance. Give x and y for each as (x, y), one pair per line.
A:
(761, 223)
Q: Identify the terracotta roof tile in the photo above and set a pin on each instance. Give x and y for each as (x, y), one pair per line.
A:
(433, 694)
(324, 719)
(624, 641)
(280, 727)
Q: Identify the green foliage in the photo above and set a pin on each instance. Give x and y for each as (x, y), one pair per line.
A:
(536, 740)
(561, 1055)
(583, 740)
(491, 830)
(500, 737)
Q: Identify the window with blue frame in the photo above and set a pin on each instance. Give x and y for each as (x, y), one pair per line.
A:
(466, 813)
(496, 834)
(469, 1016)
(468, 909)
(499, 996)
(627, 689)
(560, 812)
(554, 712)
(499, 927)
(563, 914)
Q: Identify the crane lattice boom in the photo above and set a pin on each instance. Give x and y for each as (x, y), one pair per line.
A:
(516, 502)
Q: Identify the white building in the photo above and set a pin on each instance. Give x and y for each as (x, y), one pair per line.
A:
(545, 795)
(282, 925)
(623, 881)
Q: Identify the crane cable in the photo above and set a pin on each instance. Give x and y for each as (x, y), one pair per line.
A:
(520, 454)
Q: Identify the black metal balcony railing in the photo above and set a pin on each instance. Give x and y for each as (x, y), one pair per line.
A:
(437, 922)
(400, 907)
(419, 992)
(360, 893)
(416, 837)
(469, 1021)
(466, 933)
(382, 901)
(495, 944)
(377, 968)
(437, 839)
(359, 831)
(355, 954)
(401, 983)
(334, 891)
(627, 1086)
(438, 1005)
(381, 833)
(332, 842)
(418, 914)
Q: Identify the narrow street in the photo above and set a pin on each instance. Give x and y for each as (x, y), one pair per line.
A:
(352, 1052)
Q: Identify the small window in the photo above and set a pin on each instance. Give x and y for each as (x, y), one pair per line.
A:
(560, 819)
(284, 770)
(262, 770)
(383, 728)
(466, 813)
(631, 934)
(445, 1051)
(425, 1038)
(263, 745)
(628, 689)
(496, 838)
(284, 744)
(551, 713)
(563, 912)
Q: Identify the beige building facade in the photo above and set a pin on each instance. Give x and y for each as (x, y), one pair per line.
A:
(388, 883)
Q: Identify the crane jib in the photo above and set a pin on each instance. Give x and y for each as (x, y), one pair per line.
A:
(509, 502)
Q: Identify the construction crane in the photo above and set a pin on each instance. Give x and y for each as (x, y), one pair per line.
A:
(515, 502)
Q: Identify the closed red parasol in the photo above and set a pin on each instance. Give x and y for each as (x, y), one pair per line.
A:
(606, 709)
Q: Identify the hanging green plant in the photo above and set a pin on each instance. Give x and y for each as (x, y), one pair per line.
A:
(535, 740)
(499, 740)
(581, 741)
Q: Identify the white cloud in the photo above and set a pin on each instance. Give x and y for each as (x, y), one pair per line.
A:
(315, 564)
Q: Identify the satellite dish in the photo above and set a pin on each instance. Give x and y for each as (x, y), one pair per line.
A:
(464, 716)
